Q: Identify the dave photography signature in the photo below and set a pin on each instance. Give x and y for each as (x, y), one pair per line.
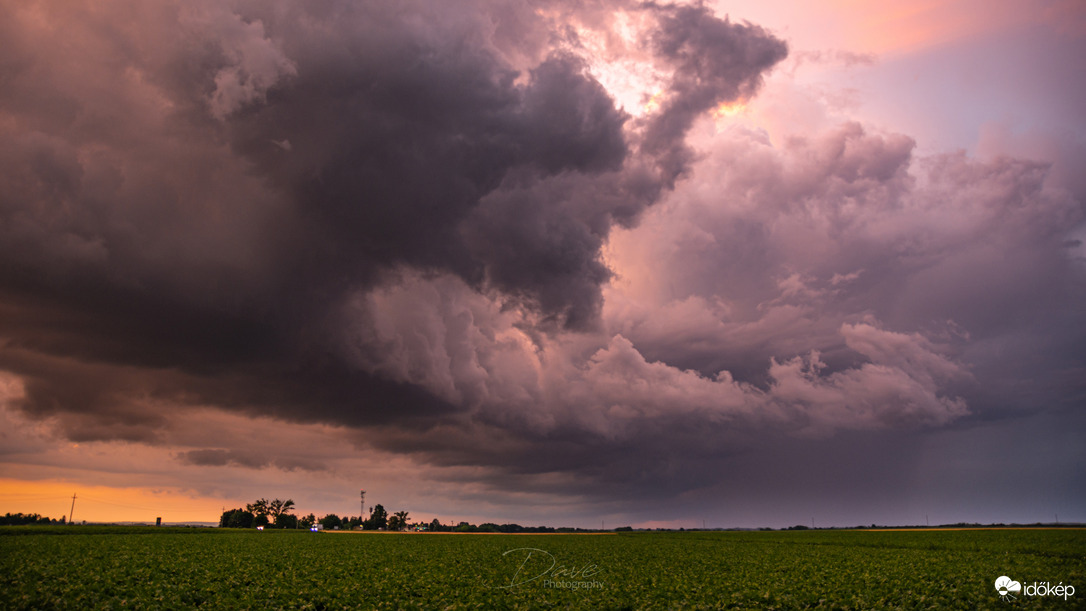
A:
(540, 565)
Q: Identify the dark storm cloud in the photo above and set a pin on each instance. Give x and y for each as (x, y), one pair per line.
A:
(430, 224)
(714, 61)
(394, 143)
(220, 458)
(182, 214)
(817, 297)
(406, 152)
(252, 459)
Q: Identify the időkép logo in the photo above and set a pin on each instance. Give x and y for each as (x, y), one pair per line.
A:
(1007, 588)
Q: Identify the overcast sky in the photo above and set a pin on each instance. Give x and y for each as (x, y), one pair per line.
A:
(758, 263)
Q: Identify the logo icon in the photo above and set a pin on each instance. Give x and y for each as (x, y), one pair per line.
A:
(1007, 587)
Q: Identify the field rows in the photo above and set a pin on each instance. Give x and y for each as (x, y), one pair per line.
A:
(145, 568)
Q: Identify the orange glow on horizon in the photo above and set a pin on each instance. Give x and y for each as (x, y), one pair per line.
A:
(53, 499)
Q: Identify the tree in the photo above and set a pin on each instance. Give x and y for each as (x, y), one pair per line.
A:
(378, 519)
(258, 508)
(237, 518)
(307, 521)
(20, 518)
(267, 512)
(286, 520)
(330, 521)
(279, 509)
(436, 526)
(398, 521)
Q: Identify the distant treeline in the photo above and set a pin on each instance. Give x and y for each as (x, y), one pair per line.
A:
(332, 521)
(277, 514)
(18, 519)
(490, 527)
(926, 527)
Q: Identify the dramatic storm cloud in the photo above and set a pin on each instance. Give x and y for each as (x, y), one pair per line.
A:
(528, 247)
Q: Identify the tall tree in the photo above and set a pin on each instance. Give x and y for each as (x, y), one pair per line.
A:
(401, 520)
(258, 507)
(378, 519)
(270, 512)
(279, 509)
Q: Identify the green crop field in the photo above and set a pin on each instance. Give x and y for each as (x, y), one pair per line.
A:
(114, 568)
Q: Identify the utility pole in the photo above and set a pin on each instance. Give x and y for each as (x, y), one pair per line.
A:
(362, 506)
(71, 512)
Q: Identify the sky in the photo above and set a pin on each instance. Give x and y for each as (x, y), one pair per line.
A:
(568, 263)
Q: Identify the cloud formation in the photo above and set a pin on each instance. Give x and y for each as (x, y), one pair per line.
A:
(434, 227)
